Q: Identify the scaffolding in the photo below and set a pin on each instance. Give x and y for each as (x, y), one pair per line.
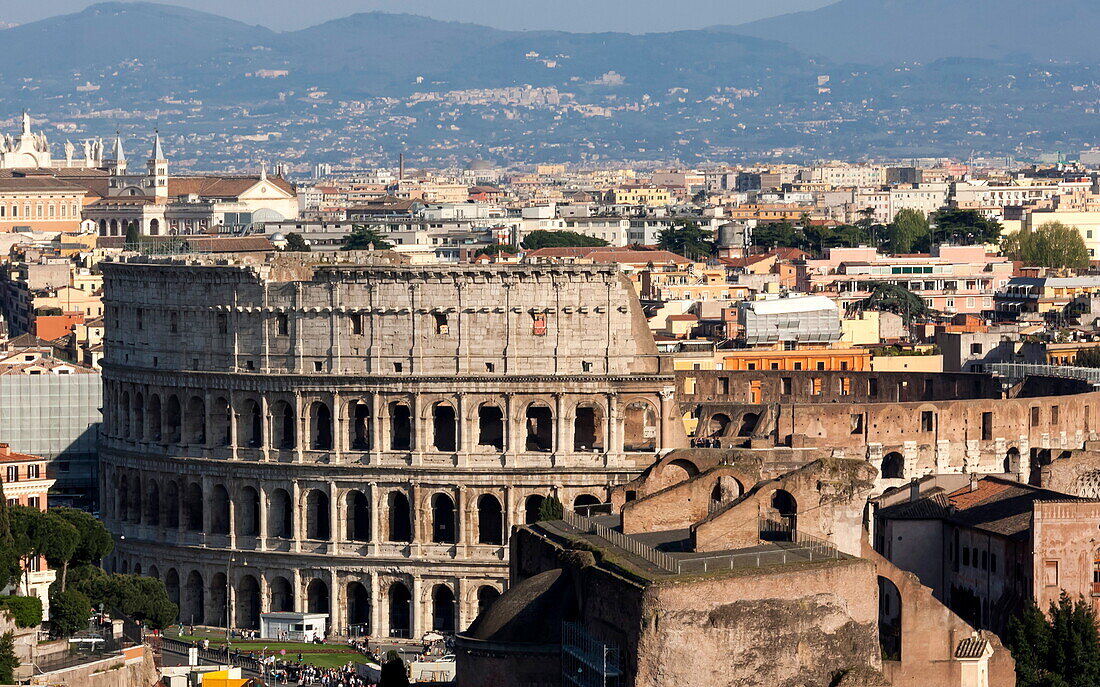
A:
(587, 661)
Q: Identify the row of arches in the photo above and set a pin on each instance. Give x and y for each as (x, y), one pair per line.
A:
(149, 418)
(144, 502)
(203, 601)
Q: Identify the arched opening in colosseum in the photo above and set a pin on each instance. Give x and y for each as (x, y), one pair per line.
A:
(171, 505)
(359, 426)
(677, 471)
(135, 500)
(640, 427)
(137, 413)
(358, 608)
(317, 598)
(444, 428)
(490, 426)
(282, 595)
(172, 586)
(531, 507)
(282, 425)
(588, 428)
(443, 519)
(153, 572)
(103, 227)
(400, 427)
(137, 568)
(282, 324)
(219, 510)
(400, 603)
(248, 514)
(252, 421)
(486, 595)
(586, 504)
(216, 605)
(540, 428)
(152, 504)
(399, 516)
(782, 518)
(718, 425)
(125, 567)
(892, 466)
(1040, 458)
(124, 416)
(192, 503)
(114, 227)
(317, 515)
(320, 427)
(358, 516)
(490, 520)
(172, 419)
(726, 489)
(122, 504)
(748, 424)
(194, 421)
(194, 600)
(280, 515)
(443, 609)
(248, 603)
(889, 619)
(153, 416)
(220, 422)
(1012, 461)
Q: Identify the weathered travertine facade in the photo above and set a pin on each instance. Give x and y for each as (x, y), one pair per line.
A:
(359, 438)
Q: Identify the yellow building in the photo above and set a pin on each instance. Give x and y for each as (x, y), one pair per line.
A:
(651, 196)
(40, 203)
(809, 357)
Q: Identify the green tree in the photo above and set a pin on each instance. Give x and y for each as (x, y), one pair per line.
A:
(551, 509)
(94, 541)
(909, 228)
(560, 239)
(1058, 649)
(58, 542)
(141, 598)
(25, 610)
(1088, 357)
(362, 238)
(688, 239)
(69, 612)
(296, 244)
(887, 297)
(8, 661)
(779, 235)
(133, 237)
(496, 249)
(969, 227)
(9, 555)
(393, 671)
(1051, 245)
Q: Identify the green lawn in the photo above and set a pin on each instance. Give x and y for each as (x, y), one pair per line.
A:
(320, 655)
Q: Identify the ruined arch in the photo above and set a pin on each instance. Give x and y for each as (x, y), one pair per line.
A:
(358, 516)
(540, 428)
(282, 595)
(892, 466)
(400, 517)
(248, 603)
(640, 427)
(443, 609)
(320, 426)
(889, 619)
(221, 422)
(718, 425)
(444, 519)
(1012, 464)
(219, 510)
(586, 504)
(401, 427)
(400, 603)
(486, 595)
(359, 438)
(490, 520)
(358, 607)
(282, 425)
(317, 515)
(676, 471)
(193, 610)
(172, 586)
(280, 514)
(317, 597)
(248, 515)
(171, 504)
(490, 426)
(531, 507)
(444, 427)
(588, 428)
(748, 424)
(216, 604)
(152, 503)
(252, 424)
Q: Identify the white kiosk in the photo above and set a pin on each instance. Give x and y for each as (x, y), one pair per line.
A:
(295, 627)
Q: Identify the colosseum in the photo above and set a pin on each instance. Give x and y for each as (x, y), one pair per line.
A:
(358, 437)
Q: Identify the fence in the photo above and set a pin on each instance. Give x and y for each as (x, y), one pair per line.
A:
(791, 546)
(1018, 371)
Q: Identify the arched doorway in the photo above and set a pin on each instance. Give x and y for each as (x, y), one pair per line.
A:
(531, 507)
(718, 425)
(400, 602)
(781, 522)
(248, 514)
(1012, 461)
(640, 427)
(490, 427)
(358, 515)
(400, 517)
(320, 427)
(892, 466)
(443, 519)
(194, 600)
(281, 516)
(443, 609)
(193, 507)
(219, 510)
(490, 520)
(317, 600)
(486, 595)
(172, 586)
(282, 595)
(889, 619)
(585, 504)
(540, 428)
(248, 603)
(444, 428)
(317, 515)
(358, 609)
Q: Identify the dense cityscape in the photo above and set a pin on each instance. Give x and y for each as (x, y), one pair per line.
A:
(546, 359)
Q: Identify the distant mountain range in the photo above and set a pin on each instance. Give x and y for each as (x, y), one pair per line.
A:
(891, 31)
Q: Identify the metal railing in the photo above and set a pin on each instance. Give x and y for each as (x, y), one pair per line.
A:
(590, 526)
(1019, 371)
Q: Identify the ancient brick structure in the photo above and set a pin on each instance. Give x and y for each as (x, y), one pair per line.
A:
(359, 437)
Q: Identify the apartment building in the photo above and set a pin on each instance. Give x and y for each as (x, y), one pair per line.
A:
(25, 484)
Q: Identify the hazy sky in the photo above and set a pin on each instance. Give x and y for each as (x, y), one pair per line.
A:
(635, 16)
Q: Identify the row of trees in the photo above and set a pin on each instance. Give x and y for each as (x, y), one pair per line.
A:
(1060, 648)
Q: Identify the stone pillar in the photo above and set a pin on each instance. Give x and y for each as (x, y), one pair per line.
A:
(374, 436)
(462, 429)
(232, 519)
(339, 434)
(265, 593)
(507, 513)
(207, 424)
(263, 530)
(297, 519)
(299, 595)
(416, 612)
(376, 511)
(416, 515)
(266, 437)
(230, 602)
(334, 517)
(461, 609)
(669, 417)
(378, 601)
(207, 488)
(513, 436)
(614, 445)
(336, 605)
(234, 423)
(461, 520)
(419, 436)
(301, 434)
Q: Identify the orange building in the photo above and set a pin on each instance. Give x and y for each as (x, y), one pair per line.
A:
(25, 484)
(40, 202)
(823, 358)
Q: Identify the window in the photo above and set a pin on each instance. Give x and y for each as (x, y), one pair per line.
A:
(985, 560)
(798, 366)
(538, 324)
(357, 324)
(966, 555)
(975, 349)
(282, 325)
(843, 364)
(33, 471)
(318, 366)
(927, 421)
(586, 366)
(856, 423)
(174, 322)
(821, 366)
(249, 365)
(845, 386)
(13, 473)
(816, 391)
(489, 367)
(140, 316)
(993, 563)
(397, 367)
(987, 426)
(1054, 415)
(1050, 573)
(786, 383)
(34, 502)
(872, 387)
(223, 324)
(1035, 417)
(441, 326)
(790, 345)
